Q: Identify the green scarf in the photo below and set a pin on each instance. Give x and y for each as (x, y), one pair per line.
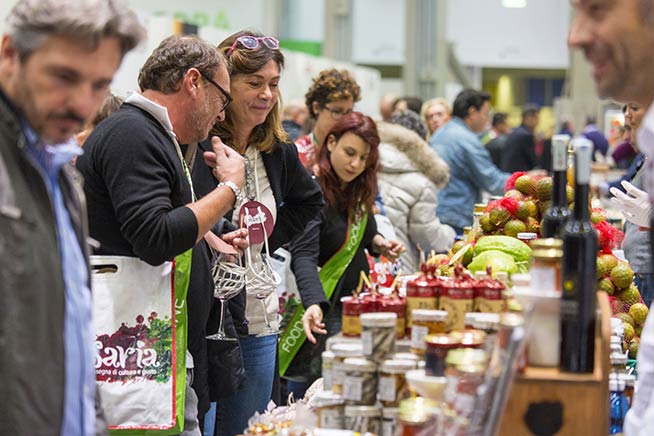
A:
(293, 337)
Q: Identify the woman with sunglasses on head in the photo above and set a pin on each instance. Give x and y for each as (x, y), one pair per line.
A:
(336, 241)
(331, 95)
(277, 180)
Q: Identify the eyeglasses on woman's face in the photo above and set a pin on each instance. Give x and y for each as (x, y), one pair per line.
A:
(337, 113)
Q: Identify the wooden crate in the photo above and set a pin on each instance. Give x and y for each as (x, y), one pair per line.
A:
(545, 401)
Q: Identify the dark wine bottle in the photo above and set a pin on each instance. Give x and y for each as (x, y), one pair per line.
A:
(579, 276)
(558, 213)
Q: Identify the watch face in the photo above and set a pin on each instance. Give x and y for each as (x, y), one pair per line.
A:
(258, 220)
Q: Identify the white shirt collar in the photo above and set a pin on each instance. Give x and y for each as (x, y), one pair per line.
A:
(159, 112)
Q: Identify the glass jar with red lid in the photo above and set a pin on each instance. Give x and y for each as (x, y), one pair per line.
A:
(489, 294)
(457, 297)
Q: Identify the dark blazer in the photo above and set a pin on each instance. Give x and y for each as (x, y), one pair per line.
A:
(519, 151)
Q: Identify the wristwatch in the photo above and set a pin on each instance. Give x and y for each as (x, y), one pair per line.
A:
(237, 192)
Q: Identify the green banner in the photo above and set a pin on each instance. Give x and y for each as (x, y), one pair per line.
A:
(293, 337)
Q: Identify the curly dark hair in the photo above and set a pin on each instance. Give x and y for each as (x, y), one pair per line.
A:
(331, 85)
(358, 195)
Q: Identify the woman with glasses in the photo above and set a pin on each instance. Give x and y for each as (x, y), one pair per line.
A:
(276, 179)
(335, 241)
(331, 95)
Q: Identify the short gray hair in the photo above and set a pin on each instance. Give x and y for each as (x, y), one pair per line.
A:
(169, 62)
(30, 22)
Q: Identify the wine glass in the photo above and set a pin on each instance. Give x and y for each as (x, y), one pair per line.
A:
(229, 279)
(261, 280)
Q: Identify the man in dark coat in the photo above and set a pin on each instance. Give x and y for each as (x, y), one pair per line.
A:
(520, 149)
(56, 64)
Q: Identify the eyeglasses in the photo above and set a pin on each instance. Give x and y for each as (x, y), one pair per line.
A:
(252, 42)
(227, 99)
(337, 113)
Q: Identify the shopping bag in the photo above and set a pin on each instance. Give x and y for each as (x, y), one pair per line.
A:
(140, 322)
(287, 293)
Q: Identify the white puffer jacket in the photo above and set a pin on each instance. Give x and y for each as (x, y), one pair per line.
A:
(410, 174)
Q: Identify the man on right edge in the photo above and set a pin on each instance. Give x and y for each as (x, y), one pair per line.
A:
(617, 37)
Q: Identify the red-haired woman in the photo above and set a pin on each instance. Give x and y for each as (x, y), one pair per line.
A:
(335, 241)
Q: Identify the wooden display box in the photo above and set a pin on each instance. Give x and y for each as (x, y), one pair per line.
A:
(545, 401)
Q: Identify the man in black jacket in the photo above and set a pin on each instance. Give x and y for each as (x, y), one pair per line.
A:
(520, 148)
(139, 188)
(56, 64)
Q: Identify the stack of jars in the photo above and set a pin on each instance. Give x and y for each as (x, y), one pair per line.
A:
(364, 381)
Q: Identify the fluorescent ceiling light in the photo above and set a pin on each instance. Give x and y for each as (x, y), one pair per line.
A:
(514, 3)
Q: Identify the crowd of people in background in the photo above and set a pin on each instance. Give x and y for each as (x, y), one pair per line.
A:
(176, 164)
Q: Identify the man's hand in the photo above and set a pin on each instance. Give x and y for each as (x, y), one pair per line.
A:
(312, 322)
(225, 162)
(237, 239)
(389, 249)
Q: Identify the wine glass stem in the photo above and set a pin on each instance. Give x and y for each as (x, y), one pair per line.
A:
(265, 314)
(221, 326)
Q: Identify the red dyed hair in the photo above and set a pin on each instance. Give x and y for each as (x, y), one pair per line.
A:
(358, 195)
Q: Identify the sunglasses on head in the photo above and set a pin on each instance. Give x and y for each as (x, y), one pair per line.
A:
(252, 42)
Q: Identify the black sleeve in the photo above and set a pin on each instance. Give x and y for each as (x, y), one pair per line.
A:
(371, 228)
(140, 177)
(305, 249)
(302, 199)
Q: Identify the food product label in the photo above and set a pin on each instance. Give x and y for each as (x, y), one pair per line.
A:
(456, 311)
(367, 342)
(327, 380)
(387, 388)
(418, 333)
(353, 388)
(337, 377)
(331, 418)
(545, 278)
(351, 325)
(489, 300)
(418, 303)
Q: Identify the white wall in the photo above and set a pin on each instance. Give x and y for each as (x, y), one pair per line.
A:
(487, 34)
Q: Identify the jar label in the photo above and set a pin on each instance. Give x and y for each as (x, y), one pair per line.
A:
(418, 333)
(456, 311)
(545, 278)
(351, 325)
(327, 379)
(331, 418)
(418, 303)
(489, 306)
(367, 342)
(387, 389)
(353, 388)
(337, 377)
(400, 326)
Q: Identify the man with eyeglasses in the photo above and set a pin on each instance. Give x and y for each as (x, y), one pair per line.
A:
(138, 185)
